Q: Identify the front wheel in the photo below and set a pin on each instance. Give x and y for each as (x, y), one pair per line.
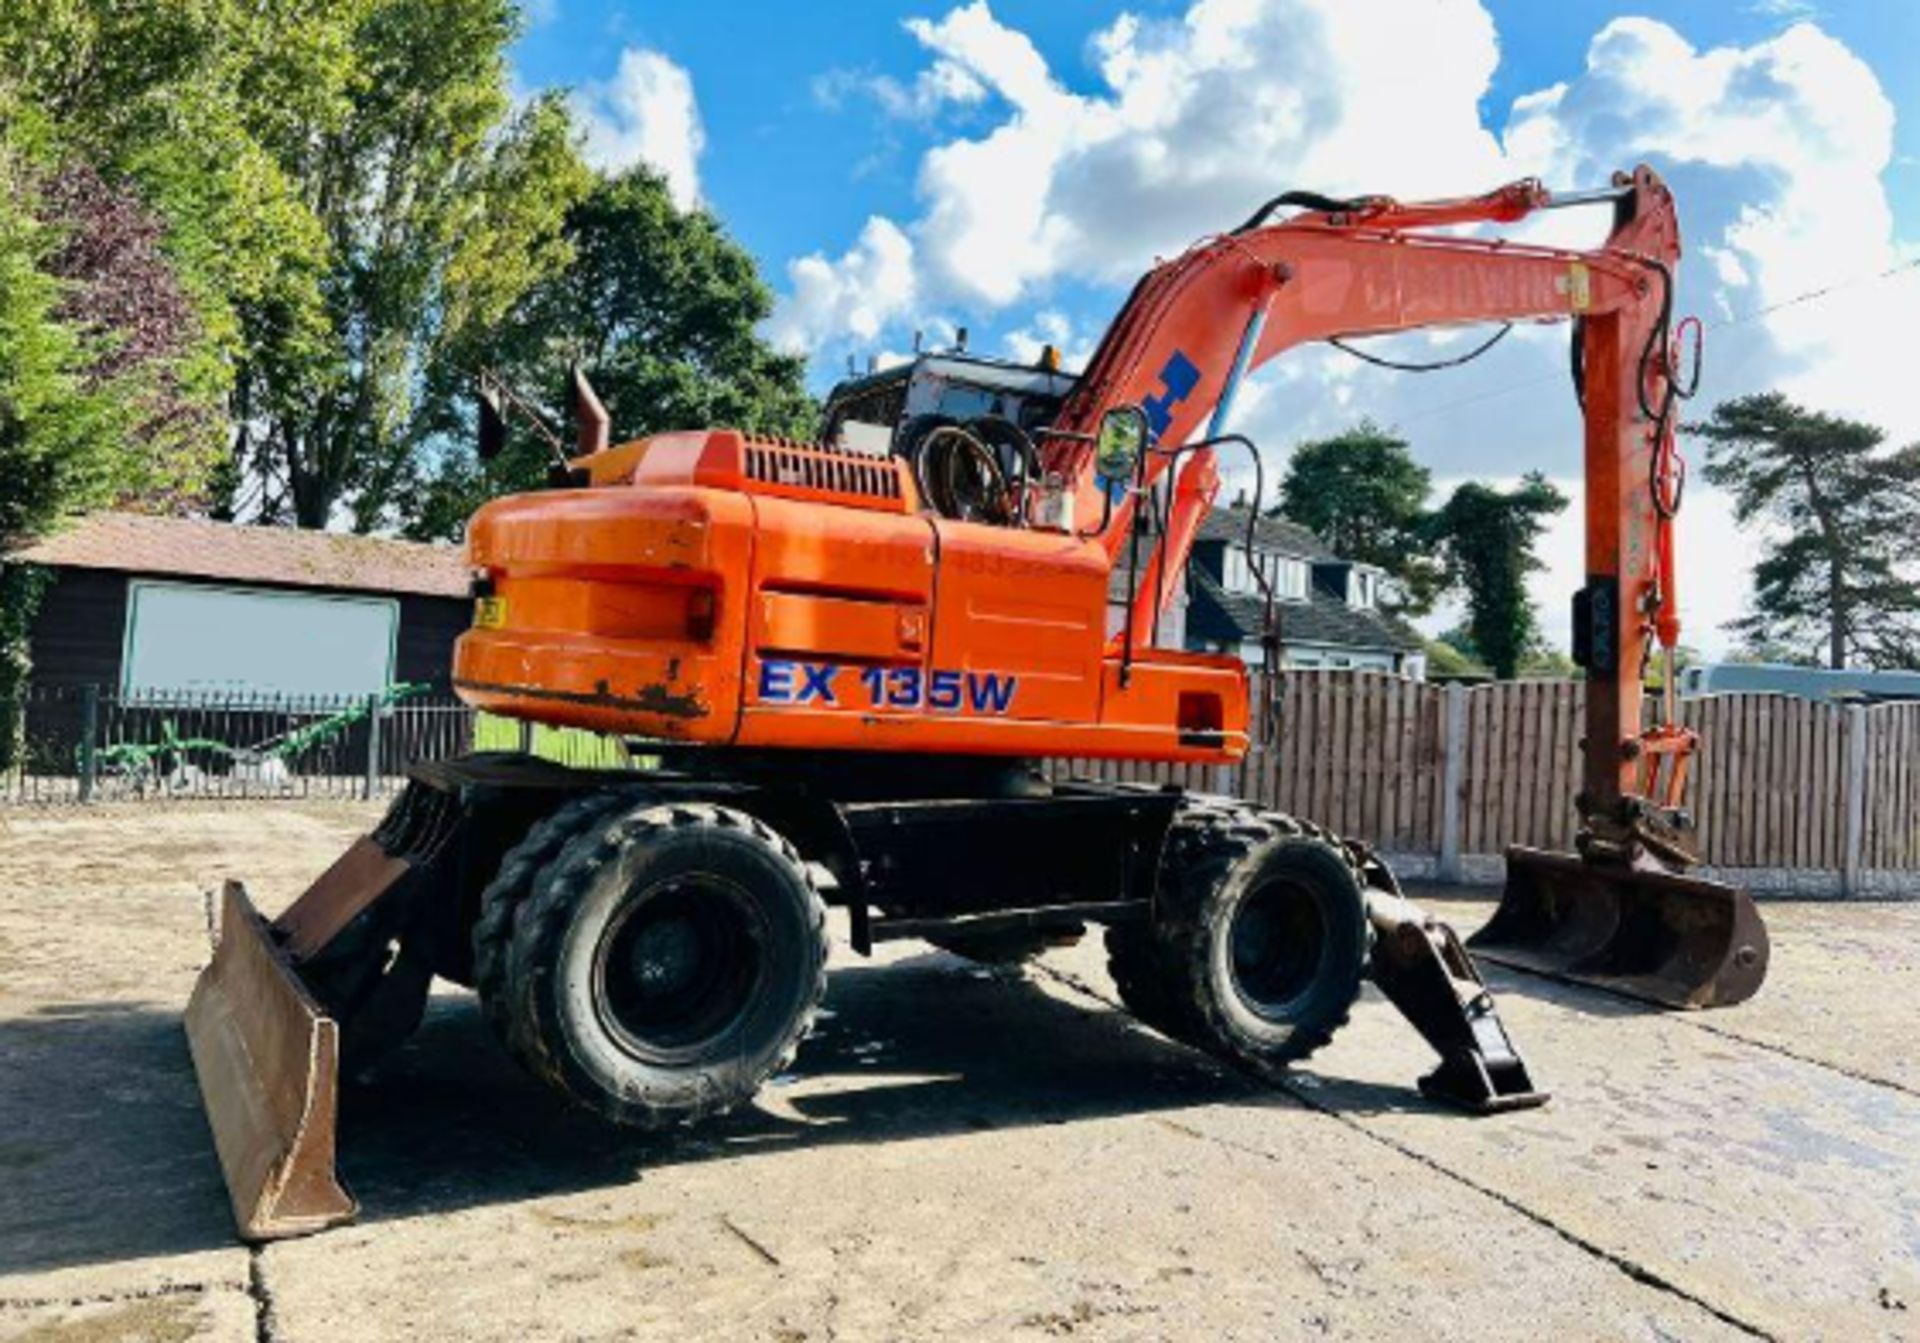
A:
(1262, 939)
(668, 963)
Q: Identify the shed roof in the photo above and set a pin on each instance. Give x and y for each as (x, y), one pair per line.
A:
(136, 543)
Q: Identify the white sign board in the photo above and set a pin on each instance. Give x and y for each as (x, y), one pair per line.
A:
(255, 641)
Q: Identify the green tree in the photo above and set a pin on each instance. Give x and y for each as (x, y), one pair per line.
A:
(348, 191)
(99, 399)
(1362, 493)
(197, 105)
(1839, 569)
(441, 207)
(92, 407)
(1448, 660)
(1487, 537)
(658, 306)
(60, 438)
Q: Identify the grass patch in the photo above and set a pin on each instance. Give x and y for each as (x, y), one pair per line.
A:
(572, 746)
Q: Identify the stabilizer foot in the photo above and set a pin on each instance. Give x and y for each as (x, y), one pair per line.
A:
(1421, 966)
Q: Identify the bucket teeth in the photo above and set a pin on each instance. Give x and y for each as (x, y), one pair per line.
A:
(1659, 936)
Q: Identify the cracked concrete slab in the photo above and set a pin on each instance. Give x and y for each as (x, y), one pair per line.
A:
(1782, 1190)
(958, 1153)
(205, 1315)
(1839, 973)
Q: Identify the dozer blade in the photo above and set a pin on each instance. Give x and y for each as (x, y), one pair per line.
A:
(1663, 937)
(268, 1061)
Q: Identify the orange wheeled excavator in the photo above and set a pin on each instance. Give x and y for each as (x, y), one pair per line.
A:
(846, 657)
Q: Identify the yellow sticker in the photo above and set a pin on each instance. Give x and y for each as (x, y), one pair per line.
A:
(1579, 286)
(489, 613)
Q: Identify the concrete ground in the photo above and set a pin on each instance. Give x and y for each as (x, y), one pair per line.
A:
(958, 1153)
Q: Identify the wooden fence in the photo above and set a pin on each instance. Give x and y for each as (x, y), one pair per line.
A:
(1779, 782)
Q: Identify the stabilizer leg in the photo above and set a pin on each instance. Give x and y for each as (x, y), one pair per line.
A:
(1422, 968)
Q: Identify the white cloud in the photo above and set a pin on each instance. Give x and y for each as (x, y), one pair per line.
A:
(1785, 9)
(1073, 341)
(1777, 152)
(936, 88)
(859, 294)
(645, 113)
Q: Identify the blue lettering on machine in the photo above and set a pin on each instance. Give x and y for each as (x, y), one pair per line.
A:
(944, 690)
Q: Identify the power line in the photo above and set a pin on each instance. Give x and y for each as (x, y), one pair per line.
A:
(1740, 319)
(1812, 294)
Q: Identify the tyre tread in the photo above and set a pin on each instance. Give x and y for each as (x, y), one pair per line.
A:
(543, 919)
(1160, 970)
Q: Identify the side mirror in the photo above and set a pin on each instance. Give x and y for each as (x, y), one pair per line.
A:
(1119, 445)
(493, 420)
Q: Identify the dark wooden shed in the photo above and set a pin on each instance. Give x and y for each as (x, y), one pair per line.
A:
(169, 604)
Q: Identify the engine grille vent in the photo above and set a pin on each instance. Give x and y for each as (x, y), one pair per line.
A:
(823, 470)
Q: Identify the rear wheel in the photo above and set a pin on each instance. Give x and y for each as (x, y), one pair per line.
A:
(667, 963)
(510, 888)
(1260, 939)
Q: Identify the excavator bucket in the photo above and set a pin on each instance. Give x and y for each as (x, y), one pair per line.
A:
(268, 1060)
(1663, 937)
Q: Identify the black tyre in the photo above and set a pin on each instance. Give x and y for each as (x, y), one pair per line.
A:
(1144, 969)
(1262, 937)
(1137, 964)
(510, 888)
(667, 963)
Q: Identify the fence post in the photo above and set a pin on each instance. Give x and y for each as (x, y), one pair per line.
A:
(373, 745)
(89, 730)
(1453, 769)
(526, 737)
(1855, 834)
(1224, 782)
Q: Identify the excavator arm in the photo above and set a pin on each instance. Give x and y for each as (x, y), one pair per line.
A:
(1622, 913)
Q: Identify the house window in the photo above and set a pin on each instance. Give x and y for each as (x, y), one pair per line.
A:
(1363, 589)
(1290, 579)
(1288, 576)
(1234, 574)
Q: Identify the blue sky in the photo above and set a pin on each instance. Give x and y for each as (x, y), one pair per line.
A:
(1011, 165)
(780, 168)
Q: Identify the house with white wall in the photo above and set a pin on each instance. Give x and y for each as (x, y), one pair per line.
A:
(1327, 608)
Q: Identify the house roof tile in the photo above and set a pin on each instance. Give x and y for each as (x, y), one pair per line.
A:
(1232, 617)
